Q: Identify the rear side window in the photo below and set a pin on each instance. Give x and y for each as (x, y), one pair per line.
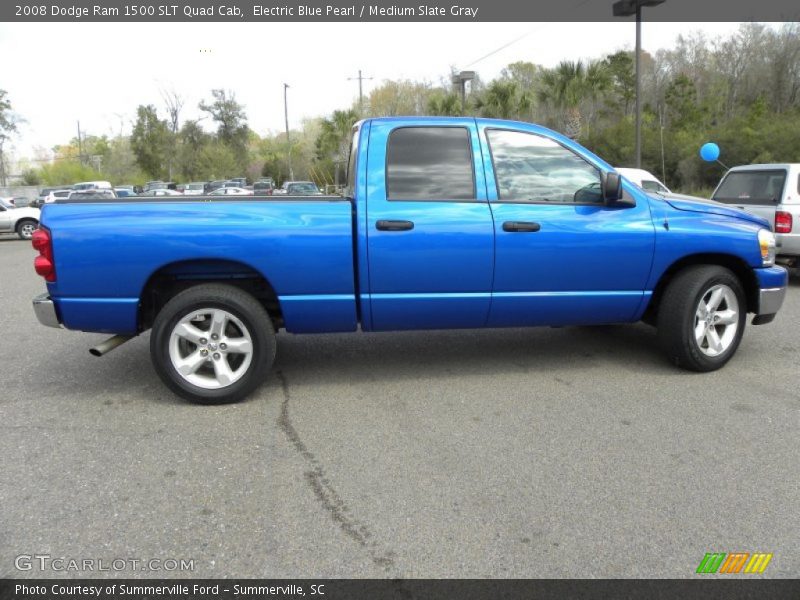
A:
(429, 163)
(751, 187)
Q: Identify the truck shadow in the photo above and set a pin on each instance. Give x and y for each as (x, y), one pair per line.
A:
(416, 356)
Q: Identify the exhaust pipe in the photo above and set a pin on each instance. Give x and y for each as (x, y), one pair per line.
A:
(109, 345)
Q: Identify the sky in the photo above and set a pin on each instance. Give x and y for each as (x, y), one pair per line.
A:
(57, 74)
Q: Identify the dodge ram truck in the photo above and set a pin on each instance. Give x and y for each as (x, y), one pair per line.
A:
(445, 223)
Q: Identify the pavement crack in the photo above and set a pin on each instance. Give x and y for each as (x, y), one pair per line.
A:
(330, 500)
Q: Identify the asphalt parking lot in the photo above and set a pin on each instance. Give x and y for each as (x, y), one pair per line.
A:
(575, 452)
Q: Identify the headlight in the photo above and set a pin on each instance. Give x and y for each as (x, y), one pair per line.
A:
(766, 240)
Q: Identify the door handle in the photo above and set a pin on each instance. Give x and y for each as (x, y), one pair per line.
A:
(389, 225)
(521, 226)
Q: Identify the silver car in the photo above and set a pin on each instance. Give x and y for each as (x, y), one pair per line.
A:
(771, 191)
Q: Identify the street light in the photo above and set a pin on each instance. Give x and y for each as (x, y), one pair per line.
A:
(460, 81)
(626, 8)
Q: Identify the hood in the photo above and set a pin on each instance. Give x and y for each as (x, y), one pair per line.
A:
(701, 205)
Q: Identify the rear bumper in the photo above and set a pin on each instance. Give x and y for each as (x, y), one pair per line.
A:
(45, 311)
(788, 244)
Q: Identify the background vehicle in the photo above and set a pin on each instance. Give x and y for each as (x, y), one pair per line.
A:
(231, 191)
(45, 192)
(196, 188)
(771, 191)
(22, 221)
(446, 223)
(644, 179)
(300, 188)
(124, 192)
(95, 194)
(263, 188)
(213, 185)
(92, 185)
(57, 195)
(163, 192)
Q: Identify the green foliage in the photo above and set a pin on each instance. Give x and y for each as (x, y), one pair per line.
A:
(31, 177)
(443, 104)
(503, 99)
(67, 172)
(150, 142)
(232, 129)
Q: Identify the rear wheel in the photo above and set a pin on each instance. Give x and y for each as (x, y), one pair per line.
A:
(26, 227)
(701, 318)
(212, 344)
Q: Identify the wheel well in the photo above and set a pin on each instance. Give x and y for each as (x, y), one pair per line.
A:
(176, 277)
(25, 220)
(736, 265)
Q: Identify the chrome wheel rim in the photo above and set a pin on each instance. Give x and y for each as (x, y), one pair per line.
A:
(27, 230)
(716, 320)
(210, 348)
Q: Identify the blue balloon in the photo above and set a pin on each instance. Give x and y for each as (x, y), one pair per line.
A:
(709, 152)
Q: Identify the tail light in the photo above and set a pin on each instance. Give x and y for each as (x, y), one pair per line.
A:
(783, 222)
(44, 263)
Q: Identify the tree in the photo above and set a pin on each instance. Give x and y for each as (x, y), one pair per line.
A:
(191, 141)
(443, 104)
(569, 85)
(232, 129)
(503, 99)
(150, 141)
(8, 128)
(174, 103)
(622, 81)
(333, 141)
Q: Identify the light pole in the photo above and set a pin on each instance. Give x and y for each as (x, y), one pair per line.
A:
(288, 141)
(361, 79)
(460, 81)
(626, 8)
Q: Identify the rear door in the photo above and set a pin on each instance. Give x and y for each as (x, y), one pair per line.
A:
(430, 238)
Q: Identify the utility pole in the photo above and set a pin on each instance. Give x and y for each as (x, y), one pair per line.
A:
(627, 8)
(288, 140)
(361, 79)
(80, 144)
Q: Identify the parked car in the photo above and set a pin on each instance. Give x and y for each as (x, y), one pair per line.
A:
(300, 188)
(45, 192)
(263, 188)
(57, 195)
(239, 181)
(92, 185)
(231, 191)
(644, 179)
(771, 191)
(163, 192)
(446, 223)
(93, 194)
(22, 221)
(196, 188)
(213, 185)
(124, 192)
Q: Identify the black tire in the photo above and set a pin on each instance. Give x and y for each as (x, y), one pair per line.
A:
(24, 232)
(677, 317)
(242, 306)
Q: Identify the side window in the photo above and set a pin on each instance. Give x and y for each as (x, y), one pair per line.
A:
(532, 168)
(429, 163)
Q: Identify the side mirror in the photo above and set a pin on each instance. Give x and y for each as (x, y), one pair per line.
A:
(611, 185)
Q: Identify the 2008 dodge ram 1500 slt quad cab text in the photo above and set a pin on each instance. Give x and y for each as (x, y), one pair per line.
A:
(445, 223)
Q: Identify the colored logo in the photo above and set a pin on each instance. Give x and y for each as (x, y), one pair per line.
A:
(735, 562)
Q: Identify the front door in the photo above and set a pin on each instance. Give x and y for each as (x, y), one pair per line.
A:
(562, 256)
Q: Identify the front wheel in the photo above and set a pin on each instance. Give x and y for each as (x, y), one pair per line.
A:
(212, 344)
(701, 318)
(26, 228)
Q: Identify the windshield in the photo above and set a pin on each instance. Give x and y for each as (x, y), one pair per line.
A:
(751, 187)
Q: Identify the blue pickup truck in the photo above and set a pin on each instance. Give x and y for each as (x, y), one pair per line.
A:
(445, 223)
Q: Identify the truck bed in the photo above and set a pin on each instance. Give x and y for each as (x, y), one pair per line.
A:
(105, 251)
